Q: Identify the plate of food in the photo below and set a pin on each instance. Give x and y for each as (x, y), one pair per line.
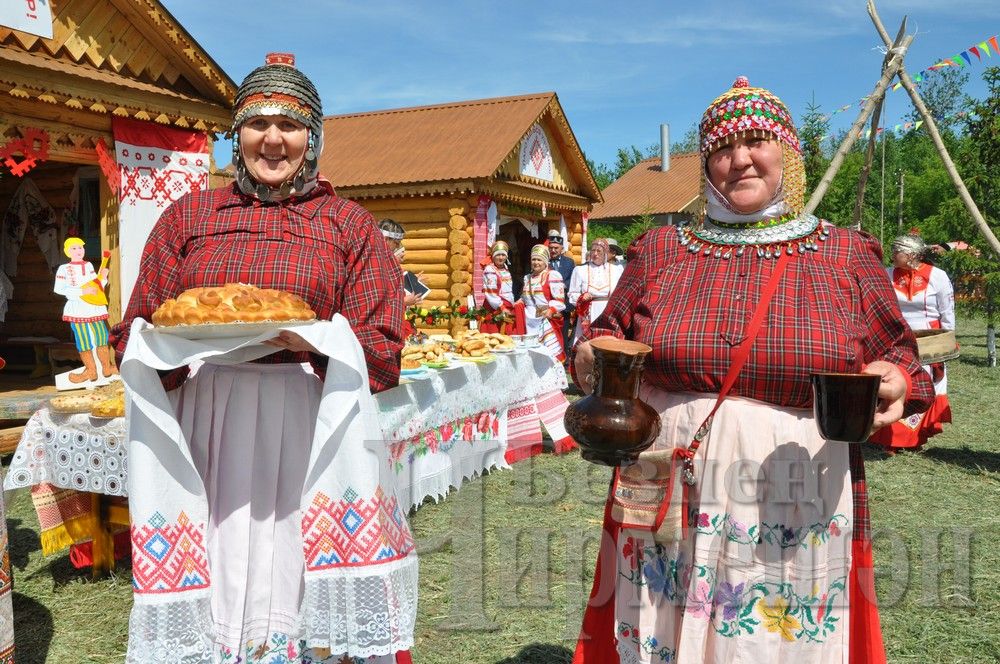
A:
(228, 311)
(227, 330)
(481, 358)
(86, 401)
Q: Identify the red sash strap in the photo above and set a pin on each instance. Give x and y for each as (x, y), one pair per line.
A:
(739, 359)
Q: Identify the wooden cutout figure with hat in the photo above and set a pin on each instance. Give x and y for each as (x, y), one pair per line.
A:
(87, 313)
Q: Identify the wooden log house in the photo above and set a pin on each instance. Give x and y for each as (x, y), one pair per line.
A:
(106, 58)
(437, 170)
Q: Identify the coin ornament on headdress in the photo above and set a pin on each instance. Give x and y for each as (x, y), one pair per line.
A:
(744, 110)
(910, 243)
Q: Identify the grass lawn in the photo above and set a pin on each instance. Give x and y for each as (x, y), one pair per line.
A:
(507, 562)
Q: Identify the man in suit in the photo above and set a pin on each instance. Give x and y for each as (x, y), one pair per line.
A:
(564, 265)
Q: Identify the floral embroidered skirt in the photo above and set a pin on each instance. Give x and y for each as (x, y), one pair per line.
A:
(251, 428)
(763, 575)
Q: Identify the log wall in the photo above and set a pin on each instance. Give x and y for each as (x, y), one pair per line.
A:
(437, 242)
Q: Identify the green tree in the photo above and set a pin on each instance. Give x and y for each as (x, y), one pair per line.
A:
(625, 160)
(814, 127)
(977, 277)
(981, 170)
(688, 142)
(943, 94)
(621, 233)
(603, 175)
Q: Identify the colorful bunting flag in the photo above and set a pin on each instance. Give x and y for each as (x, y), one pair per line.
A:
(993, 43)
(983, 45)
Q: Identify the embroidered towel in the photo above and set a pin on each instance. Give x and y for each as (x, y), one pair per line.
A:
(361, 563)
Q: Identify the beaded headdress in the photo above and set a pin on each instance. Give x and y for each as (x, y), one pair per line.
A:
(278, 88)
(499, 247)
(744, 111)
(540, 251)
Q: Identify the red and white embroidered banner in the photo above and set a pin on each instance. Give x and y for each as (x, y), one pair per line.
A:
(157, 165)
(479, 246)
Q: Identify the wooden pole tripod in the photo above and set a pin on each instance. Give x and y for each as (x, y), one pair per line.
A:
(893, 67)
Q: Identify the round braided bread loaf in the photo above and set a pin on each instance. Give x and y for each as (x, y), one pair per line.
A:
(231, 303)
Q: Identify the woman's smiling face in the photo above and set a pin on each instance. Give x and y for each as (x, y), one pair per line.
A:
(273, 148)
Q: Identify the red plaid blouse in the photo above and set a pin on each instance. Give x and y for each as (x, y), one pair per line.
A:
(321, 247)
(834, 310)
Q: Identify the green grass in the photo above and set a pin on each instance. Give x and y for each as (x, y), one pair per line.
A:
(507, 562)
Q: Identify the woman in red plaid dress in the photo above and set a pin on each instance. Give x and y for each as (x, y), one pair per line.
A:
(776, 564)
(250, 425)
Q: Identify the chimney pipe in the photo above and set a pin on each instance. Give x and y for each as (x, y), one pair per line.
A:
(664, 147)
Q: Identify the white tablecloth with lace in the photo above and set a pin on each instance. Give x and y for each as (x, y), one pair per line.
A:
(439, 431)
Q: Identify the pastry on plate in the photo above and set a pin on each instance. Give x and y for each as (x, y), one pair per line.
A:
(231, 303)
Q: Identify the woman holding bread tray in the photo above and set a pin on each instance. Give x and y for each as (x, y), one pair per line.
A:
(253, 498)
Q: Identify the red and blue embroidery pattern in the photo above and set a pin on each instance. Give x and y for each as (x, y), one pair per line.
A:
(354, 531)
(169, 557)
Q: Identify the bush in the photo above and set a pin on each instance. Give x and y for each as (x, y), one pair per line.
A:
(623, 234)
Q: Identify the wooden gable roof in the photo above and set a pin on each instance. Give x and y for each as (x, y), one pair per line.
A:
(392, 150)
(645, 189)
(128, 58)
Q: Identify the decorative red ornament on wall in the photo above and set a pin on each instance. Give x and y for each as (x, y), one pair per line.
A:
(33, 148)
(109, 167)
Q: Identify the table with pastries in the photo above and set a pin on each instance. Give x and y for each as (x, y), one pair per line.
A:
(441, 427)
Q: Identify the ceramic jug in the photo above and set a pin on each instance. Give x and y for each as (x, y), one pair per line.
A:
(613, 425)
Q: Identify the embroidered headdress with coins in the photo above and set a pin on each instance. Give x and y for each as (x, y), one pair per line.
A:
(779, 226)
(910, 243)
(278, 88)
(742, 112)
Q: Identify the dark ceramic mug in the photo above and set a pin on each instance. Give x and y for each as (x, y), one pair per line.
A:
(844, 405)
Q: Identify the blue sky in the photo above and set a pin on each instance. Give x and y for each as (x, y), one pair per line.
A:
(620, 68)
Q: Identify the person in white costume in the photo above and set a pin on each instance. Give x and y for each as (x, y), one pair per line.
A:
(927, 300)
(544, 301)
(591, 285)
